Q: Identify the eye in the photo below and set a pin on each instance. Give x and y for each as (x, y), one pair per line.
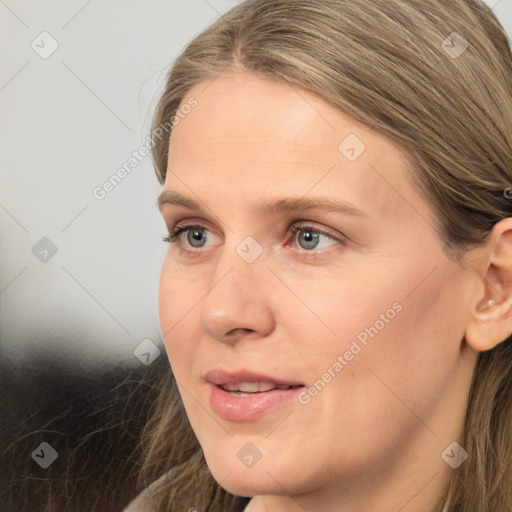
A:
(310, 237)
(307, 237)
(196, 235)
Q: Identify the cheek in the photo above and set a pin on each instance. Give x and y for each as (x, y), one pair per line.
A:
(177, 314)
(334, 312)
(416, 350)
(385, 337)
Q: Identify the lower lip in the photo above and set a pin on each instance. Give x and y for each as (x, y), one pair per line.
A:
(248, 408)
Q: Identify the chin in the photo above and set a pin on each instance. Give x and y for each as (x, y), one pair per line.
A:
(248, 483)
(234, 476)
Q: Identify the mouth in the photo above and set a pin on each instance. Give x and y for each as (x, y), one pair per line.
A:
(241, 389)
(244, 396)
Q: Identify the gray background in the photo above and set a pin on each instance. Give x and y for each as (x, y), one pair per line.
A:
(68, 122)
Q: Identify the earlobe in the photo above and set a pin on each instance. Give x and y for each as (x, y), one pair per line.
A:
(489, 326)
(491, 317)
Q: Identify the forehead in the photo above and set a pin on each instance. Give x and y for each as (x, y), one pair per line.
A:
(242, 108)
(253, 134)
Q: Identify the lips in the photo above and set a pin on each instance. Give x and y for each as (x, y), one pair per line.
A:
(245, 380)
(253, 387)
(247, 396)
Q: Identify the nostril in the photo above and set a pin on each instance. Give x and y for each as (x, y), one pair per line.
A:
(239, 331)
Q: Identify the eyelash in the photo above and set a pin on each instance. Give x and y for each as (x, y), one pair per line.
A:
(179, 229)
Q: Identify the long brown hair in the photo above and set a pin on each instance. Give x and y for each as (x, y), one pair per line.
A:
(434, 76)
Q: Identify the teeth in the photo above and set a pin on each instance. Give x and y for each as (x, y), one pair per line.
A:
(252, 387)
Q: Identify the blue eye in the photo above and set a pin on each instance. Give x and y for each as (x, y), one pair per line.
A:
(194, 235)
(308, 237)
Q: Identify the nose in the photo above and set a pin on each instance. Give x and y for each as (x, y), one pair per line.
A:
(239, 302)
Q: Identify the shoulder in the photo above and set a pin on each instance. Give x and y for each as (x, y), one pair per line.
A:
(142, 503)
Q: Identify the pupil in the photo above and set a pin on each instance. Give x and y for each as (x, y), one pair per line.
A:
(196, 235)
(310, 237)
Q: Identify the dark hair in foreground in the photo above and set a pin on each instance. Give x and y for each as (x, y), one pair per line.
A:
(93, 417)
(383, 63)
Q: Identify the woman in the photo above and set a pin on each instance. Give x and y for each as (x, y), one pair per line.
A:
(336, 302)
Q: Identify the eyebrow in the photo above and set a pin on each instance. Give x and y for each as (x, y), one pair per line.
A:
(272, 207)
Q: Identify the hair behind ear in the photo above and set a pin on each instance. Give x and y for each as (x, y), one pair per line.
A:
(488, 435)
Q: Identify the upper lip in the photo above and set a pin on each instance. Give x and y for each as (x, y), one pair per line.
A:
(221, 377)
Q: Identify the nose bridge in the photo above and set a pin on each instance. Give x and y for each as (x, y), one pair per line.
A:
(239, 294)
(241, 270)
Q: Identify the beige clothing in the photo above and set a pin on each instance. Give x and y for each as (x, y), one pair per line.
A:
(142, 502)
(139, 504)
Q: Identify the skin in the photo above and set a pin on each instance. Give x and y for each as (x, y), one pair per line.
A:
(372, 438)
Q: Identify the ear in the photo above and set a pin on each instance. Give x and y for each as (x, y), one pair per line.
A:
(491, 310)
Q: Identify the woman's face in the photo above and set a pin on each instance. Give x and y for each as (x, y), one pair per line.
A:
(359, 309)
